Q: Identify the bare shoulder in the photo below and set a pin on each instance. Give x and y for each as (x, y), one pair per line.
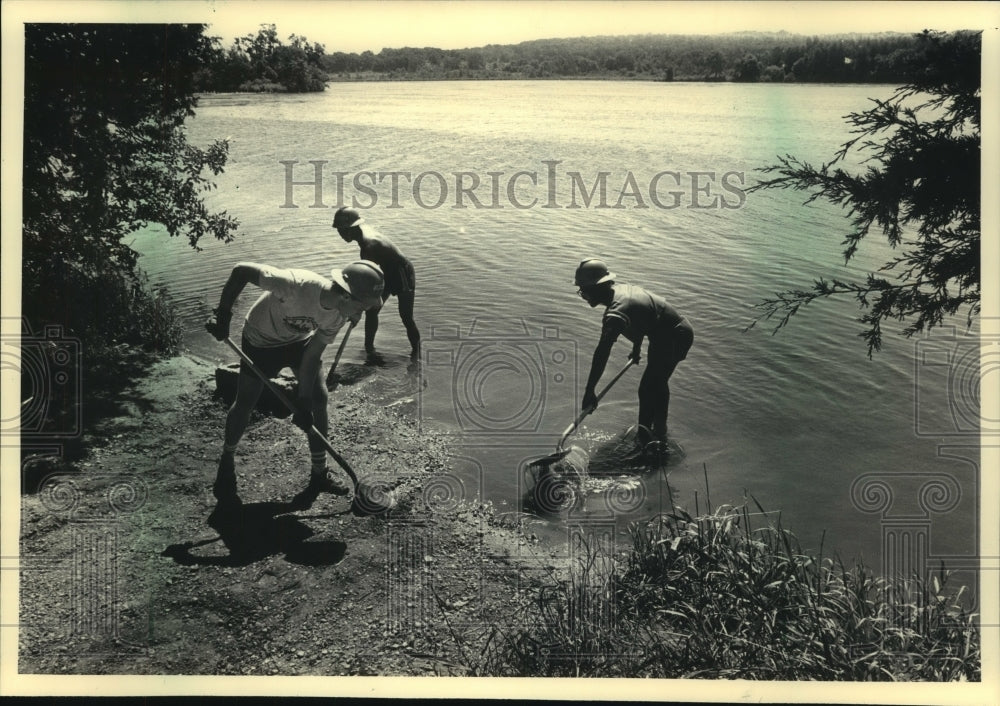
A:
(377, 245)
(377, 239)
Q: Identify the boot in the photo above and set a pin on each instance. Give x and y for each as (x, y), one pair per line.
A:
(224, 488)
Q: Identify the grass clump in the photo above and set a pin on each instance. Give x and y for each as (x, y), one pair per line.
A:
(710, 596)
(103, 306)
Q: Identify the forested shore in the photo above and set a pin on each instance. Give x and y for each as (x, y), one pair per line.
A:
(262, 62)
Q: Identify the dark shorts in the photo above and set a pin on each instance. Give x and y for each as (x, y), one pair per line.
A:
(273, 358)
(682, 337)
(671, 346)
(404, 280)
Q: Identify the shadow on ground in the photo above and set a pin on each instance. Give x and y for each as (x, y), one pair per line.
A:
(64, 410)
(251, 533)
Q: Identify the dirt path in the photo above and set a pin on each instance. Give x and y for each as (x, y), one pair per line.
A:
(128, 567)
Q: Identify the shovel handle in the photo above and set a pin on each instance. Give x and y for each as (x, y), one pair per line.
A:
(277, 391)
(340, 350)
(584, 413)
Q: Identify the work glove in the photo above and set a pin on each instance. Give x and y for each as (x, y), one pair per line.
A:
(636, 355)
(303, 416)
(589, 400)
(218, 324)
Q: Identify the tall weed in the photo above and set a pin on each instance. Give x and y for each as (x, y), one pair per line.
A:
(711, 596)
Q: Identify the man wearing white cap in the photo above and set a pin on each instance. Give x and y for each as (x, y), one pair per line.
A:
(290, 325)
(400, 279)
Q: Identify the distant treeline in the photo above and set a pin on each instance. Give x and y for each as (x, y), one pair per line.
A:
(734, 57)
(264, 63)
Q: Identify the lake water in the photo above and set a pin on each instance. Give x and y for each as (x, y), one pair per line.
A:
(872, 458)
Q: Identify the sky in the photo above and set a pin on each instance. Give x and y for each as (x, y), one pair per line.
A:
(359, 25)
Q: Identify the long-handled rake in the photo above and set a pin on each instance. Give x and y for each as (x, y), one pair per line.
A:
(369, 498)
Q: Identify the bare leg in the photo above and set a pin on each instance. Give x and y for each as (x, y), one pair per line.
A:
(321, 419)
(319, 479)
(406, 315)
(661, 405)
(654, 392)
(248, 389)
(651, 393)
(371, 328)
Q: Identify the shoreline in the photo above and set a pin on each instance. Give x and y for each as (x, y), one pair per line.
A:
(195, 590)
(129, 567)
(491, 79)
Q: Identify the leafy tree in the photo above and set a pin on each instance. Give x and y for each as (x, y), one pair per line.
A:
(475, 59)
(743, 56)
(773, 73)
(260, 62)
(749, 69)
(293, 70)
(716, 64)
(105, 154)
(919, 187)
(260, 49)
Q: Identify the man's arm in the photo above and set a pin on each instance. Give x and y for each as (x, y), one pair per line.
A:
(636, 354)
(242, 274)
(610, 331)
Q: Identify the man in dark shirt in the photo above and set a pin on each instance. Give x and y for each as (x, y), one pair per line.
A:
(634, 313)
(400, 279)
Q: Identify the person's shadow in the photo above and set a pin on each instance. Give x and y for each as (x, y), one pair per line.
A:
(256, 531)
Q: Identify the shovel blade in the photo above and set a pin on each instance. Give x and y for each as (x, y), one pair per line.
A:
(558, 482)
(372, 499)
(546, 461)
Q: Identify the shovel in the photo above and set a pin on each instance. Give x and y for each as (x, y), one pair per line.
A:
(369, 499)
(331, 381)
(560, 453)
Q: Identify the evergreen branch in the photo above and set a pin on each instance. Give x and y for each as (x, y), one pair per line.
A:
(919, 173)
(881, 300)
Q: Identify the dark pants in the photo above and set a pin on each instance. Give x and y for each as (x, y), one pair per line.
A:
(666, 350)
